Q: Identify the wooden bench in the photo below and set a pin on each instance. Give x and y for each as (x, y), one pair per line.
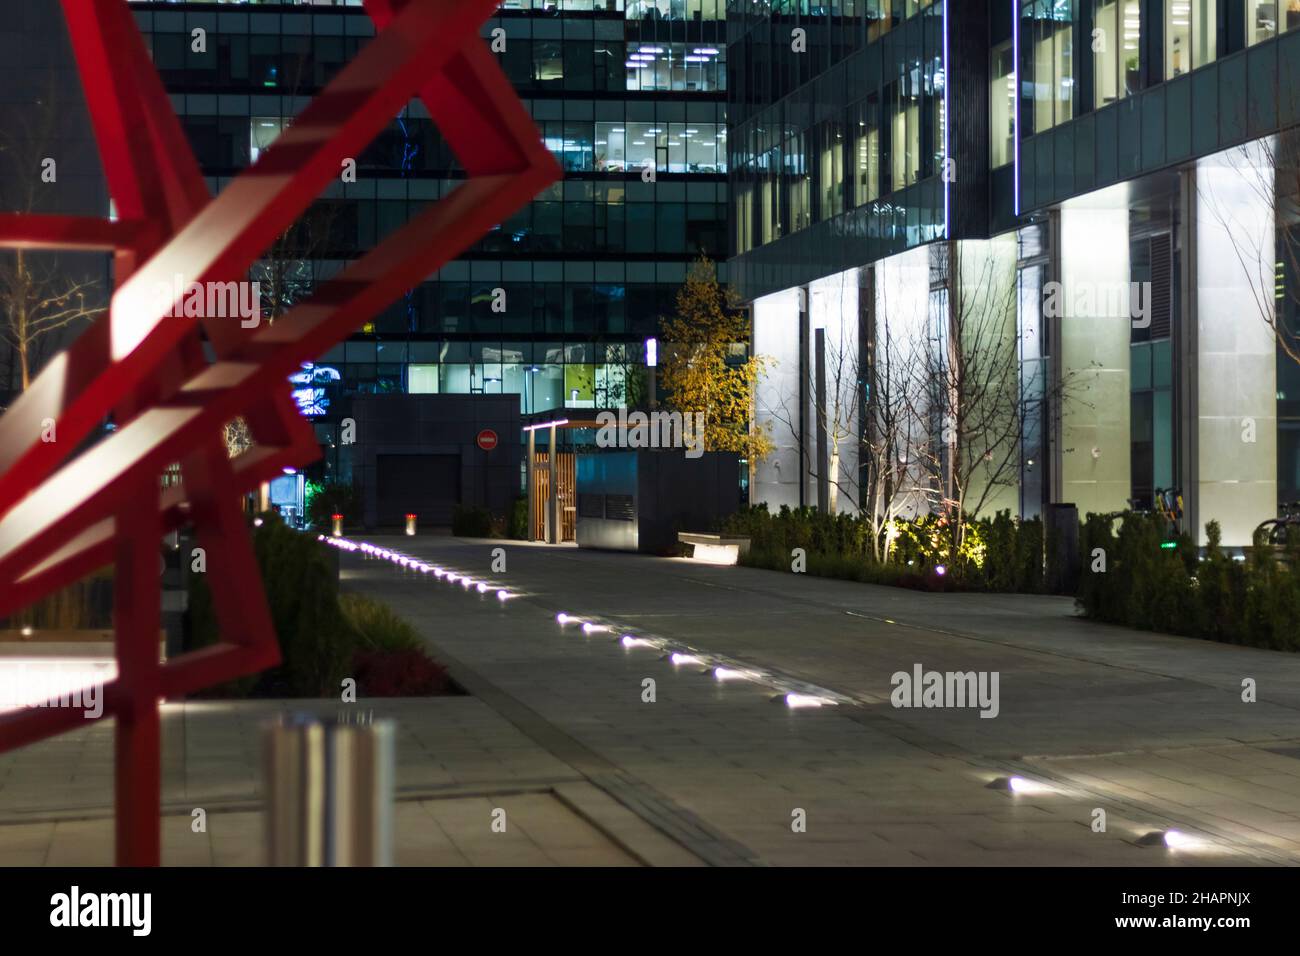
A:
(715, 548)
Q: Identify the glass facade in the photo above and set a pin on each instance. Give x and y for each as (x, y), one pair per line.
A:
(1142, 380)
(553, 305)
(830, 149)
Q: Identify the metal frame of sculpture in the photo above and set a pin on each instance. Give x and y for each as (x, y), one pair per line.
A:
(65, 512)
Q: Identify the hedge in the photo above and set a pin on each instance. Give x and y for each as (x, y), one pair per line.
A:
(998, 554)
(1130, 579)
(324, 636)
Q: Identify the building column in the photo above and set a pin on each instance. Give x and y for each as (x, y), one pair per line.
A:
(1091, 299)
(1234, 363)
(530, 482)
(553, 496)
(777, 480)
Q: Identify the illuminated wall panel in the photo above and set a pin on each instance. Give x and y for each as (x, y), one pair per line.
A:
(1236, 361)
(1095, 329)
(776, 335)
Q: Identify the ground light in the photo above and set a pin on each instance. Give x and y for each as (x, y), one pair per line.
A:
(482, 587)
(799, 701)
(1170, 839)
(590, 628)
(1020, 785)
(503, 595)
(627, 640)
(684, 659)
(726, 673)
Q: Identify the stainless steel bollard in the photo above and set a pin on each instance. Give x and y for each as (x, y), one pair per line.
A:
(329, 791)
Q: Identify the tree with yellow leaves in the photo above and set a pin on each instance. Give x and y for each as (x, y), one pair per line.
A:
(706, 366)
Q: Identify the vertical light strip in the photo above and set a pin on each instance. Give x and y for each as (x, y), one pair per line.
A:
(947, 131)
(1015, 69)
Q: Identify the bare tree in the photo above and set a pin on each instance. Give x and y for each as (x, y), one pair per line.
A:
(891, 428)
(976, 402)
(40, 295)
(1269, 172)
(833, 389)
(863, 398)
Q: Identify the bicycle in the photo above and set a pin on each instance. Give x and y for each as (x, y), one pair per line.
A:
(1277, 531)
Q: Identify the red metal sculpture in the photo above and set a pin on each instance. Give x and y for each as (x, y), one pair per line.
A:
(64, 514)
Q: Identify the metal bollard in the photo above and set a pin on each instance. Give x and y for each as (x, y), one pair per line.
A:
(338, 525)
(410, 524)
(329, 791)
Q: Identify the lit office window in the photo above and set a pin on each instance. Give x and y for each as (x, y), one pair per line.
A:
(905, 150)
(681, 67)
(422, 379)
(1115, 50)
(262, 131)
(1268, 18)
(880, 17)
(798, 186)
(830, 183)
(1190, 35)
(1002, 106)
(1047, 31)
(866, 152)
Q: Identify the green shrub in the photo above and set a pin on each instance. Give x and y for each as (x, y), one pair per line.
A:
(316, 640)
(377, 626)
(1139, 578)
(471, 521)
(324, 636)
(517, 525)
(325, 501)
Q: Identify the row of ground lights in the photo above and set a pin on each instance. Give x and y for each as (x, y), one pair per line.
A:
(721, 670)
(438, 572)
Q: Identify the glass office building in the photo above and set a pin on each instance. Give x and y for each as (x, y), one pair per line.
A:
(1093, 201)
(554, 305)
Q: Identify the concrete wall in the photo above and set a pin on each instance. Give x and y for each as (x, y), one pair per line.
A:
(670, 493)
(440, 425)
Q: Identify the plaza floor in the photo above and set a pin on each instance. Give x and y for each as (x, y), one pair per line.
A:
(559, 731)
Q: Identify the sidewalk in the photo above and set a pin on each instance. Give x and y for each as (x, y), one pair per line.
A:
(457, 761)
(558, 732)
(1149, 728)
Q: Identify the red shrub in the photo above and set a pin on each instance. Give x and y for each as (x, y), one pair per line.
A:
(409, 673)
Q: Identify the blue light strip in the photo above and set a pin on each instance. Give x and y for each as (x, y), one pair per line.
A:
(947, 131)
(1015, 52)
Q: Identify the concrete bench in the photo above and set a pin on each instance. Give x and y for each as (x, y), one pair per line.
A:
(715, 548)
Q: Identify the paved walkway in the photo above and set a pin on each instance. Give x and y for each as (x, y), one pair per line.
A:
(1151, 729)
(457, 762)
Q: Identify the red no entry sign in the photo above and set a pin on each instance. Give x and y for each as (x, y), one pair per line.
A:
(487, 439)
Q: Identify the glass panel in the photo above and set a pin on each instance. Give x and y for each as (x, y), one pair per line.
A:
(422, 379)
(1002, 106)
(1115, 50)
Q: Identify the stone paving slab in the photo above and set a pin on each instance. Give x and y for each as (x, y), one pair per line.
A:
(541, 830)
(457, 760)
